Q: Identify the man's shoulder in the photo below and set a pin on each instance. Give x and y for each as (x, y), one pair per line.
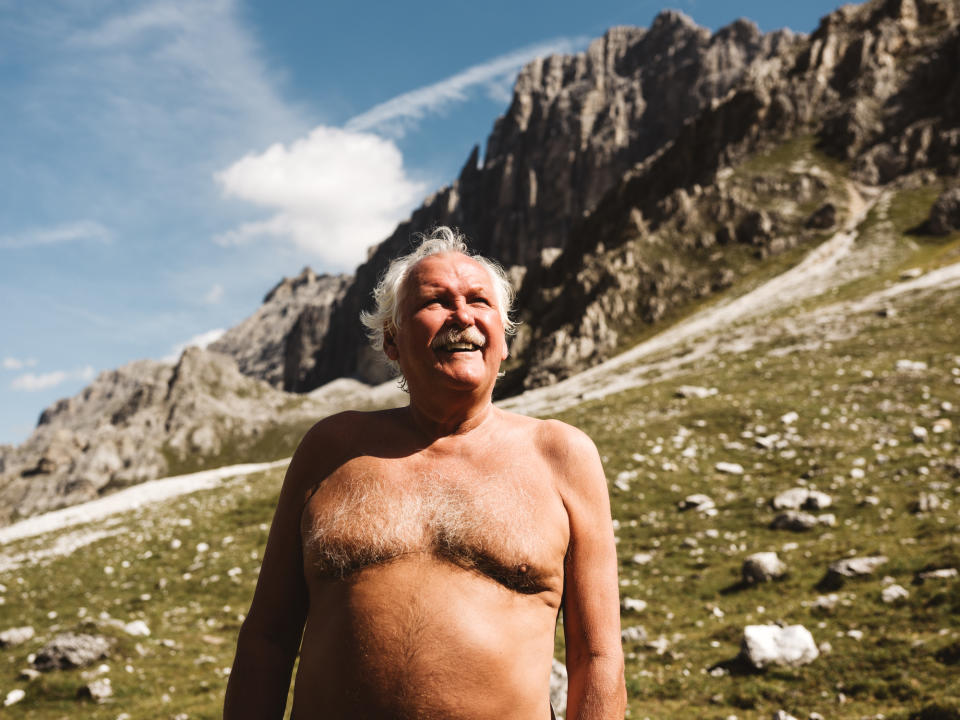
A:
(554, 438)
(345, 431)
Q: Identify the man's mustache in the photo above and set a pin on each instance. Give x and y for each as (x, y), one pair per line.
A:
(468, 334)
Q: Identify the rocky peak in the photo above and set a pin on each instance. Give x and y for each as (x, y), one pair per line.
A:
(259, 343)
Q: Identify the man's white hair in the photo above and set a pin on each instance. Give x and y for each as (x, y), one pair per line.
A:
(385, 316)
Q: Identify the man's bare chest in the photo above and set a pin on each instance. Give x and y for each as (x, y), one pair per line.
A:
(503, 520)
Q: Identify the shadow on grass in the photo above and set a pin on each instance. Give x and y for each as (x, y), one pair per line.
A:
(737, 666)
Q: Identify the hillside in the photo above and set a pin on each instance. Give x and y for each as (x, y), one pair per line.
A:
(839, 375)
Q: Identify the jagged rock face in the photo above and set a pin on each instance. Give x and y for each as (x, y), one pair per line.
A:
(294, 312)
(575, 125)
(876, 84)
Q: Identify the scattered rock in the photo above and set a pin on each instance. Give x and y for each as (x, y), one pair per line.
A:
(642, 558)
(789, 418)
(926, 502)
(13, 697)
(855, 567)
(634, 633)
(800, 521)
(16, 636)
(763, 567)
(919, 433)
(695, 391)
(941, 426)
(945, 213)
(801, 497)
(911, 274)
(633, 604)
(28, 674)
(698, 502)
(783, 714)
(911, 365)
(941, 574)
(729, 468)
(70, 650)
(98, 690)
(893, 593)
(137, 628)
(791, 646)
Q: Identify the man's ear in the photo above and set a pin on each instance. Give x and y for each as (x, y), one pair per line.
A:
(390, 345)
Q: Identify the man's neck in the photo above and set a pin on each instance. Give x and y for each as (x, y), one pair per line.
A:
(438, 417)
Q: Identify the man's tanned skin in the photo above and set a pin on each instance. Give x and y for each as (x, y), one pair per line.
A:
(419, 557)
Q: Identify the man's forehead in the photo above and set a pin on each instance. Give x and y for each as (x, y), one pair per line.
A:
(440, 269)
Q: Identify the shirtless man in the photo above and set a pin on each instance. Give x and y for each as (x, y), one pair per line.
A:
(419, 557)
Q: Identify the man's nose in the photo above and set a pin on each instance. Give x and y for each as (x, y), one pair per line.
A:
(462, 313)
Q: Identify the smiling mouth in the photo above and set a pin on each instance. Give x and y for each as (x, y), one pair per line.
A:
(454, 340)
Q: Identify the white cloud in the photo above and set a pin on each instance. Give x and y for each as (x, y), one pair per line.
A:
(335, 192)
(201, 341)
(214, 294)
(12, 363)
(395, 116)
(32, 382)
(67, 232)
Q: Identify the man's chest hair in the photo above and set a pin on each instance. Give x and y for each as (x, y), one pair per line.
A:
(502, 524)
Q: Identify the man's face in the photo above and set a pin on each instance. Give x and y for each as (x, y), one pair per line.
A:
(450, 327)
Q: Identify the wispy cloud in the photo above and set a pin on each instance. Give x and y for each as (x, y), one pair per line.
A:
(32, 382)
(12, 363)
(82, 230)
(340, 190)
(214, 294)
(397, 115)
(201, 341)
(335, 192)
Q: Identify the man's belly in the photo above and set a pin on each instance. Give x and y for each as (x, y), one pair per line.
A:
(420, 637)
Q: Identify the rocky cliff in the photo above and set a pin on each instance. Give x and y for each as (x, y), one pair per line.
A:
(575, 125)
(150, 419)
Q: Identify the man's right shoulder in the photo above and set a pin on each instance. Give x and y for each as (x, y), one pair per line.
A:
(346, 430)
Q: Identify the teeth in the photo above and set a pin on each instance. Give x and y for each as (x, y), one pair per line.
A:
(459, 346)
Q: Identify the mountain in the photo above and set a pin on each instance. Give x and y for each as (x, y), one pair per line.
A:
(629, 187)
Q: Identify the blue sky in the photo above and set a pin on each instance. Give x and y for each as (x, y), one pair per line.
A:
(164, 163)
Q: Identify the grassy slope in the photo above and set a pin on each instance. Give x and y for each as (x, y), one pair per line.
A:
(854, 408)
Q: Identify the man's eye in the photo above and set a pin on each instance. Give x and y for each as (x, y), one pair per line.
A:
(480, 300)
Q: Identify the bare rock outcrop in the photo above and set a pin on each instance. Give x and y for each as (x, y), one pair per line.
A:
(273, 339)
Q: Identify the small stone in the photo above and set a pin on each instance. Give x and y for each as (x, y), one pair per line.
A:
(13, 697)
(793, 520)
(137, 628)
(791, 646)
(919, 433)
(698, 502)
(893, 593)
(28, 674)
(633, 604)
(729, 468)
(70, 650)
(97, 690)
(16, 636)
(911, 274)
(694, 391)
(941, 574)
(762, 567)
(789, 418)
(634, 633)
(857, 566)
(941, 426)
(783, 715)
(642, 558)
(911, 365)
(926, 502)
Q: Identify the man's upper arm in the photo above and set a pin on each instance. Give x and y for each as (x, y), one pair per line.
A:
(591, 615)
(280, 601)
